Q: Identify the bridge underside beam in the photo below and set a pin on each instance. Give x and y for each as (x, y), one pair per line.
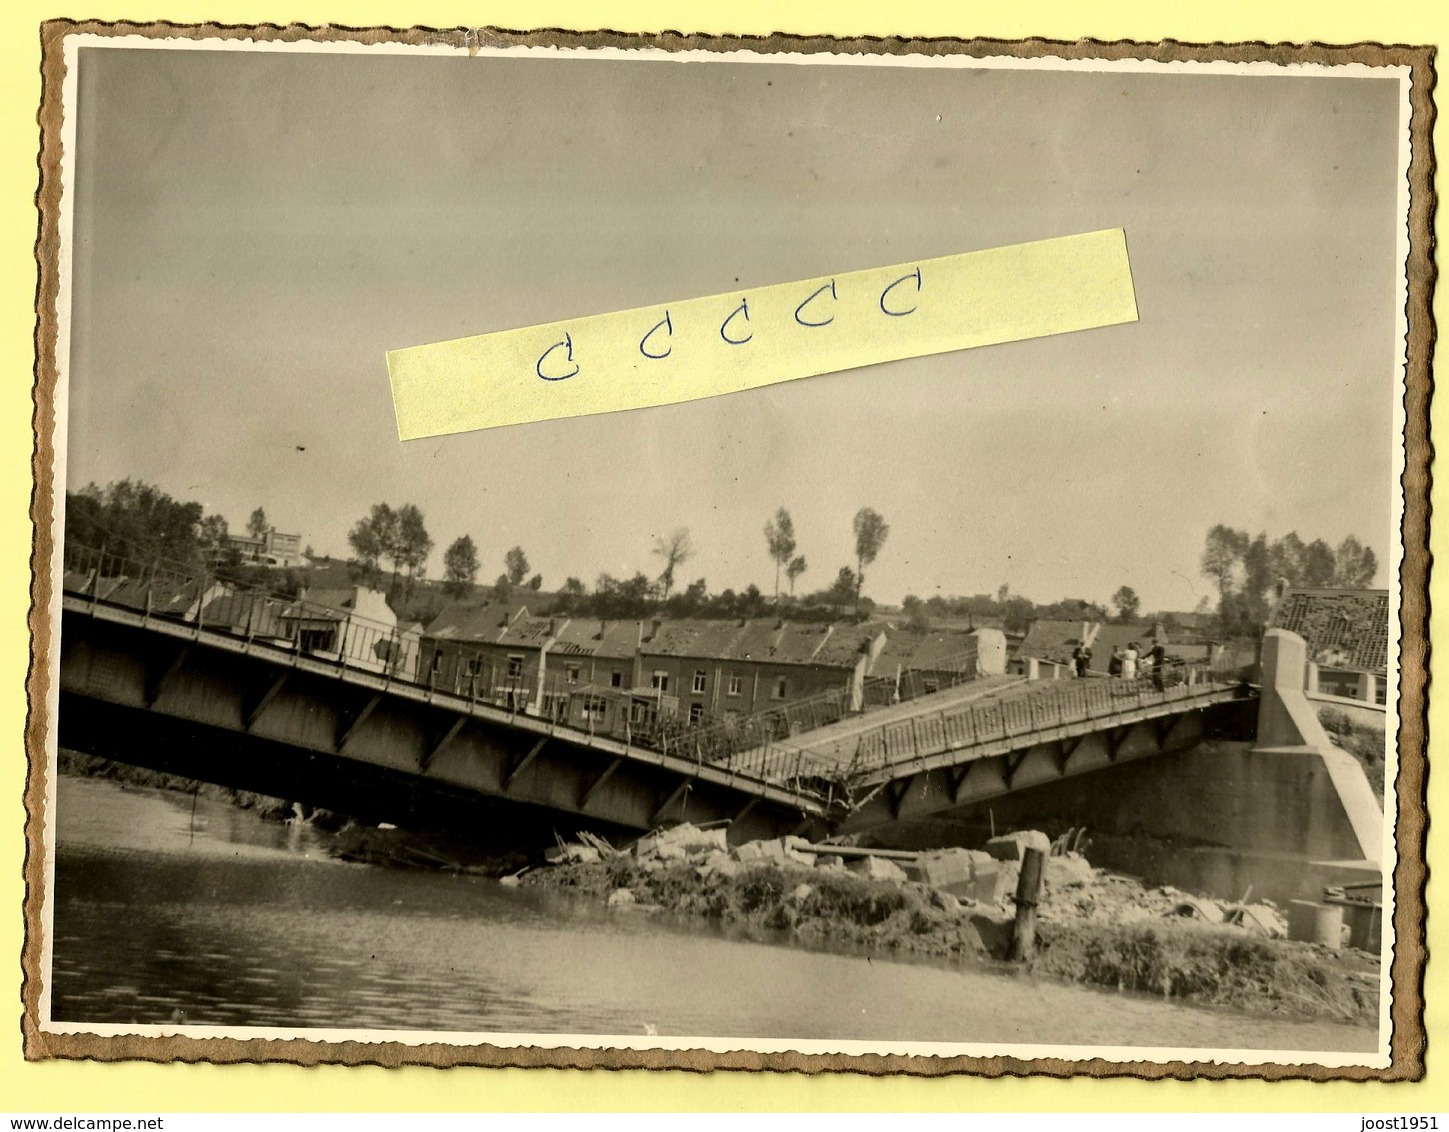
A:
(231, 719)
(933, 792)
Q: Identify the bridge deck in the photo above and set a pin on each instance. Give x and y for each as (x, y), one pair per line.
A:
(775, 783)
(984, 719)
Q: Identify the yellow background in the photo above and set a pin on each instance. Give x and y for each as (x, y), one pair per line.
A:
(56, 1087)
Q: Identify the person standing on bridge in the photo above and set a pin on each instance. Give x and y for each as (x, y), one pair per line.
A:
(1159, 664)
(1082, 659)
(1129, 661)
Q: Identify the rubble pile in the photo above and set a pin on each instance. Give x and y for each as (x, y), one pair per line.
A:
(981, 879)
(1093, 926)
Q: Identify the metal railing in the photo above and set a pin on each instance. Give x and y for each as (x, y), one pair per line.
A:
(1044, 706)
(764, 739)
(299, 627)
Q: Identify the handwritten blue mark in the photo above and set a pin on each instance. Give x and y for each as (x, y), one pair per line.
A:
(742, 309)
(916, 275)
(567, 345)
(668, 330)
(814, 295)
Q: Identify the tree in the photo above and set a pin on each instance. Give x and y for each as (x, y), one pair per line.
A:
(780, 541)
(135, 523)
(502, 588)
(870, 536)
(1127, 603)
(536, 582)
(675, 549)
(460, 566)
(1356, 564)
(257, 525)
(794, 570)
(413, 542)
(573, 587)
(1318, 564)
(1220, 555)
(516, 564)
(845, 589)
(1257, 579)
(374, 538)
(1285, 558)
(211, 532)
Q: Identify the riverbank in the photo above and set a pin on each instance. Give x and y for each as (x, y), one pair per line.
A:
(81, 765)
(1094, 928)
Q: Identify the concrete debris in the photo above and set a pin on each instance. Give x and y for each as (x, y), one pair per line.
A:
(1013, 846)
(776, 852)
(572, 854)
(1194, 908)
(1259, 919)
(877, 868)
(620, 897)
(1067, 870)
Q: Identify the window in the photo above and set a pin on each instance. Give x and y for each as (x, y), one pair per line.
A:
(515, 667)
(595, 708)
(571, 673)
(696, 712)
(616, 679)
(317, 640)
(736, 686)
(782, 688)
(659, 681)
(699, 682)
(437, 662)
(475, 665)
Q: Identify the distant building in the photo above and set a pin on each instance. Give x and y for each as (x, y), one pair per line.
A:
(1347, 631)
(273, 549)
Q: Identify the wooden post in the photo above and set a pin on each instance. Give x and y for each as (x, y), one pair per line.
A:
(1028, 893)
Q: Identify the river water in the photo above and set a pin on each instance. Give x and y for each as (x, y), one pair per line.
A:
(164, 914)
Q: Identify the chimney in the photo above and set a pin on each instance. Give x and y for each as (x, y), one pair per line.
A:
(654, 627)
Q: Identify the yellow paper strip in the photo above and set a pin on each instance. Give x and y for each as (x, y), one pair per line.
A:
(695, 348)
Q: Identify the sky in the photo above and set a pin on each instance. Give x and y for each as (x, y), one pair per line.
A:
(253, 231)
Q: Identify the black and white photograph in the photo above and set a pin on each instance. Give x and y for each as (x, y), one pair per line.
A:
(1044, 699)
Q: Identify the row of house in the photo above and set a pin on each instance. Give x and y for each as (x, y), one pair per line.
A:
(603, 674)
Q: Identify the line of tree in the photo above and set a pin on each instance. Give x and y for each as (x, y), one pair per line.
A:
(1249, 570)
(1013, 612)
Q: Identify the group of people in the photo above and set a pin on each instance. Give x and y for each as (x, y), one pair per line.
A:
(1125, 662)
